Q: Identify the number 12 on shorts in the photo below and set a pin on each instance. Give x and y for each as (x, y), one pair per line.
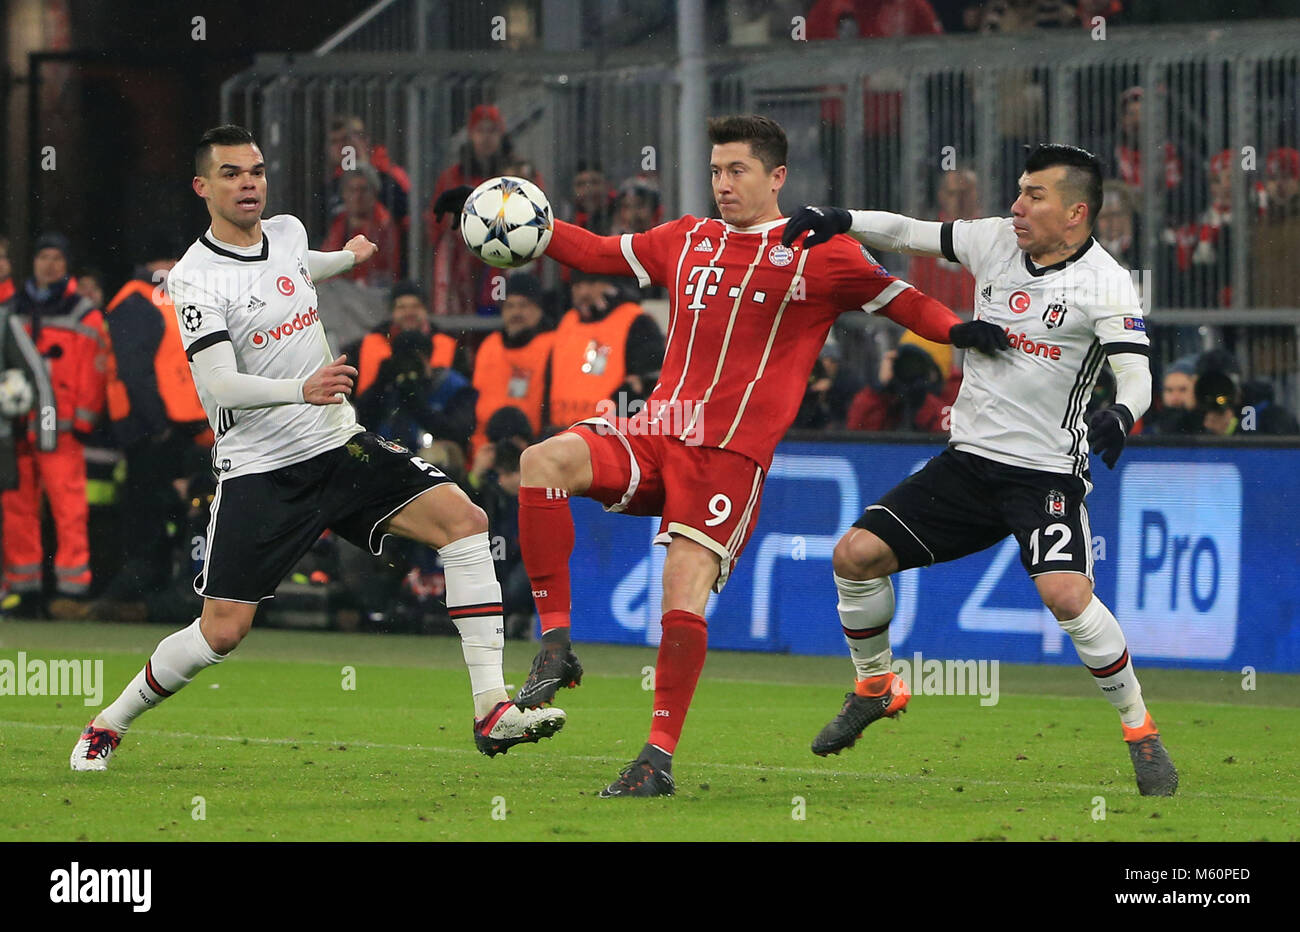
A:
(1057, 550)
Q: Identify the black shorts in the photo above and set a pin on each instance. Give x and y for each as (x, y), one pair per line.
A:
(959, 504)
(262, 524)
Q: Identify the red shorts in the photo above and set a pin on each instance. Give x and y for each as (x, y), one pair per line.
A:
(708, 495)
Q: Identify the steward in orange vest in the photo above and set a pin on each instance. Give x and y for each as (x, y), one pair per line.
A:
(150, 386)
(410, 311)
(512, 366)
(606, 345)
(157, 419)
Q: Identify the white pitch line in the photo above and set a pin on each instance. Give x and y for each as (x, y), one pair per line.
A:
(755, 768)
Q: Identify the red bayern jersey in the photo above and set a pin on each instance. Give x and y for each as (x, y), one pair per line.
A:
(747, 319)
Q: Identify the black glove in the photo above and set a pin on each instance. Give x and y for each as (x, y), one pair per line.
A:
(979, 334)
(452, 201)
(824, 222)
(1107, 431)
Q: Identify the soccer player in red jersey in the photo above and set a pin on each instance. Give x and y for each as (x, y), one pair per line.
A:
(748, 318)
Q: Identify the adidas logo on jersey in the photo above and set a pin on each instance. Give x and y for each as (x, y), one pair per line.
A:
(987, 292)
(255, 304)
(705, 245)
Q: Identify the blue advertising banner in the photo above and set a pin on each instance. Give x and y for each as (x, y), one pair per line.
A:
(1197, 552)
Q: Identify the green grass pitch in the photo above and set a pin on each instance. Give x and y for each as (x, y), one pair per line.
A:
(279, 750)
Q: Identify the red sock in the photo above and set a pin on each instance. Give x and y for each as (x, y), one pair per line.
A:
(546, 539)
(681, 658)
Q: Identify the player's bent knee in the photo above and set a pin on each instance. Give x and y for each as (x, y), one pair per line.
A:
(440, 516)
(859, 554)
(539, 464)
(1066, 595)
(224, 624)
(557, 463)
(467, 521)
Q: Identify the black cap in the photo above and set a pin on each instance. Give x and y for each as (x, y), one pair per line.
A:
(913, 364)
(508, 422)
(524, 285)
(1215, 391)
(53, 241)
(403, 288)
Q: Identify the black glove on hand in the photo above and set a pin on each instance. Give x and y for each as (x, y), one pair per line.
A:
(452, 201)
(824, 222)
(1107, 431)
(979, 334)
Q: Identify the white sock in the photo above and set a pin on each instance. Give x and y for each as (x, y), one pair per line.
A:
(474, 603)
(1101, 646)
(866, 606)
(174, 662)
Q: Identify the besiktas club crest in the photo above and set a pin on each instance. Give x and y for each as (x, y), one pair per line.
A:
(1054, 316)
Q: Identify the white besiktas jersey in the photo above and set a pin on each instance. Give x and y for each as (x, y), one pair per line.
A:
(262, 300)
(1024, 406)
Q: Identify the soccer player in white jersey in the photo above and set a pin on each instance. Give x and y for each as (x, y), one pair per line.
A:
(292, 460)
(1016, 461)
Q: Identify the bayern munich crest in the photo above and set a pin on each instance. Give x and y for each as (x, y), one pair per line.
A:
(780, 255)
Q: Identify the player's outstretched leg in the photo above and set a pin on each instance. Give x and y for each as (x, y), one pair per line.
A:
(474, 604)
(175, 661)
(866, 606)
(547, 473)
(445, 518)
(1101, 646)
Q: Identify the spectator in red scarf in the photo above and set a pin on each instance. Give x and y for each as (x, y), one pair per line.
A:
(1203, 245)
(461, 283)
(363, 214)
(348, 146)
(593, 198)
(872, 19)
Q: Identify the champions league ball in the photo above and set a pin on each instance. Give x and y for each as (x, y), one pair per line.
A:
(507, 222)
(15, 394)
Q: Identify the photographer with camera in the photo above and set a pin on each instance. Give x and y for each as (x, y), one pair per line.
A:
(415, 396)
(909, 396)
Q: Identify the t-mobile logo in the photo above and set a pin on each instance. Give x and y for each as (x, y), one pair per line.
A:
(702, 281)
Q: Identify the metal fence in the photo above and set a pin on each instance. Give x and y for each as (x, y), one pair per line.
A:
(1198, 126)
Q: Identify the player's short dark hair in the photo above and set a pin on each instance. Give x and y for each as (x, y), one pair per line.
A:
(227, 134)
(765, 136)
(1082, 173)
